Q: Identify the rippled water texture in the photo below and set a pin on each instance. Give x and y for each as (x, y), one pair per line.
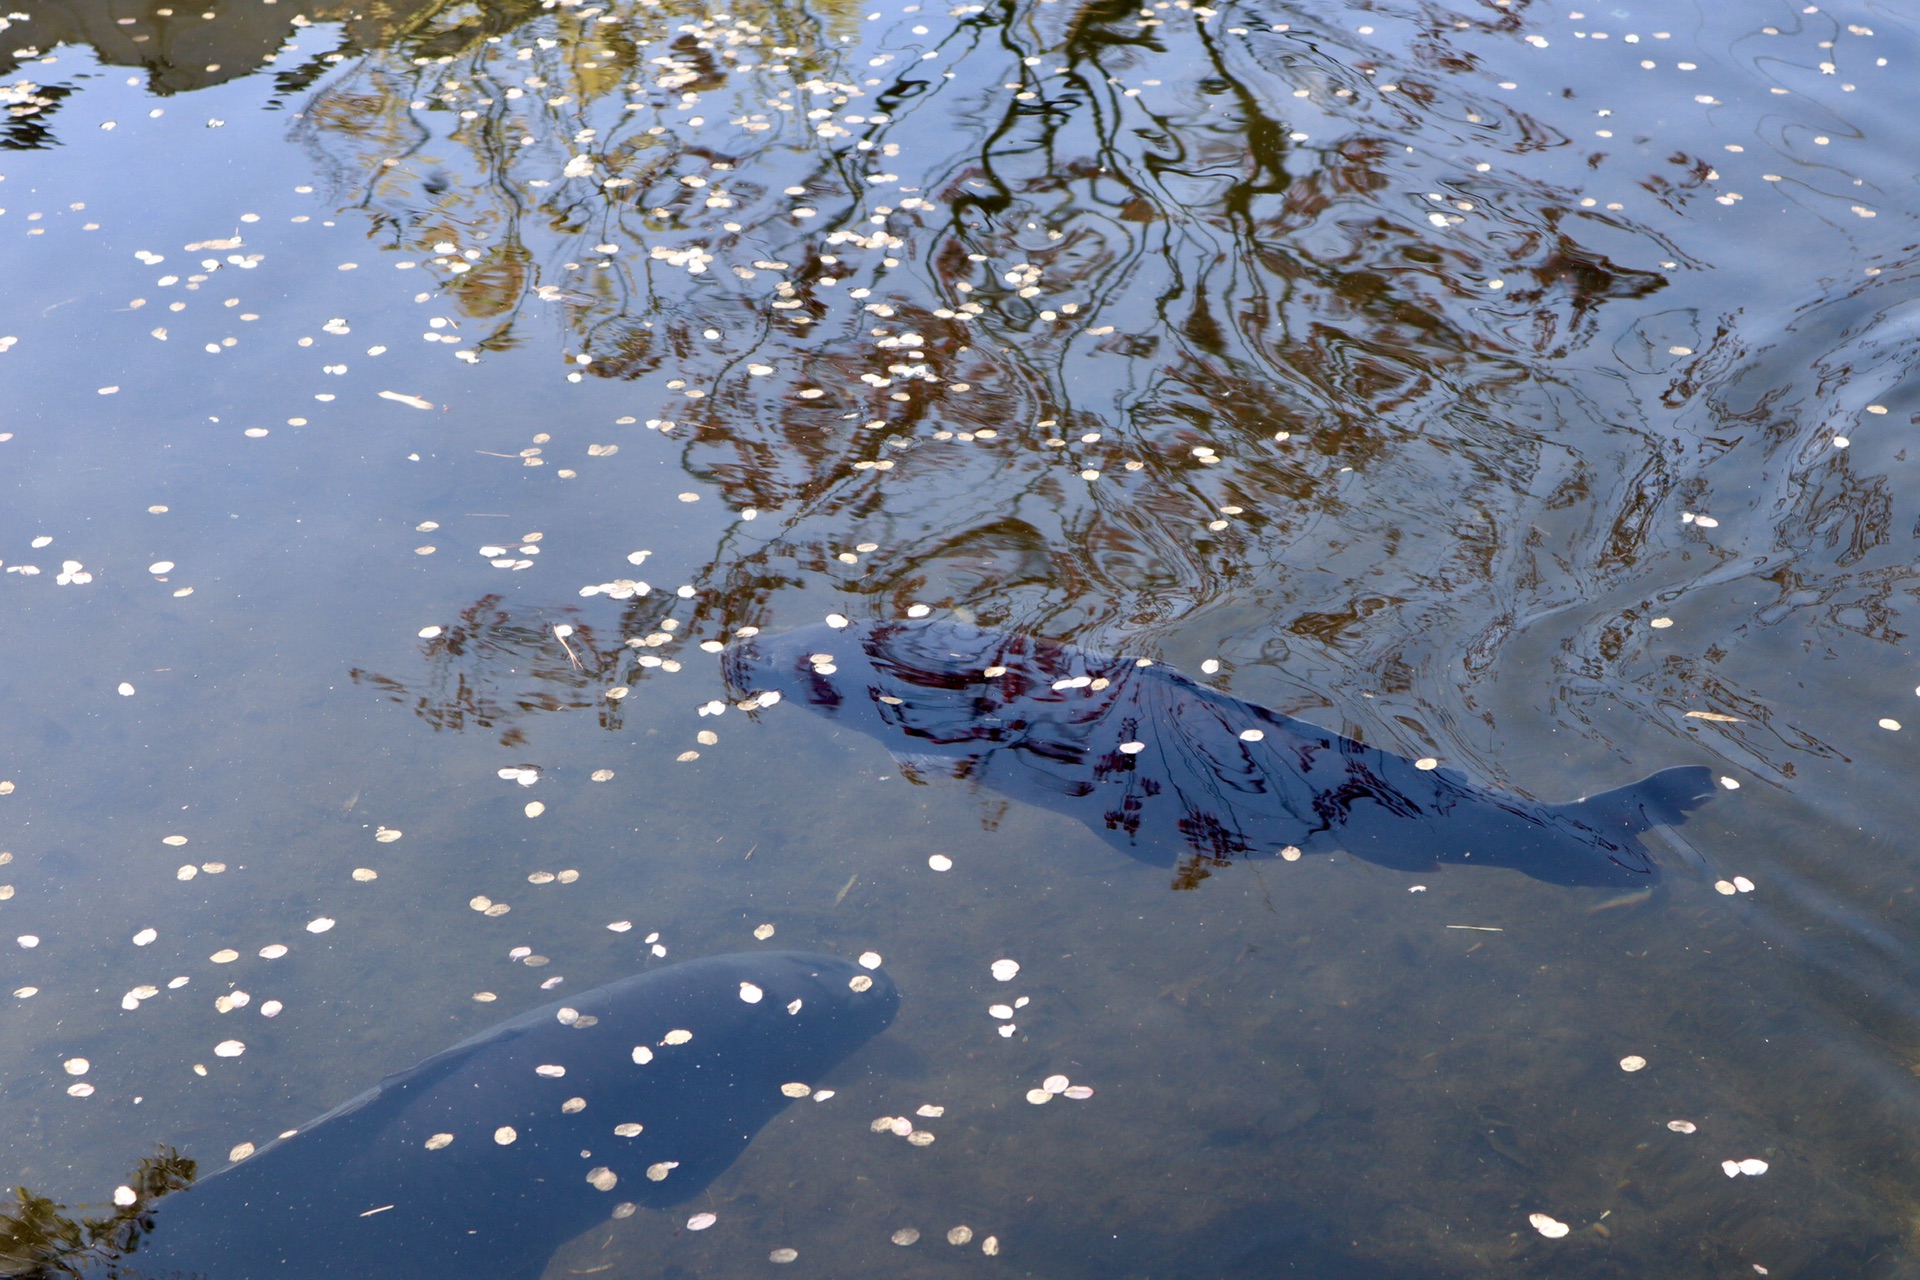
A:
(402, 407)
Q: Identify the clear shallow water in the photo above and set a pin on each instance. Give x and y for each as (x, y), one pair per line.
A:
(1485, 500)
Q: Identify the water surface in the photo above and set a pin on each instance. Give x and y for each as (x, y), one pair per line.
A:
(1523, 387)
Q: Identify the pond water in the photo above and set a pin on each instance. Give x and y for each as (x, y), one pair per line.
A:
(403, 406)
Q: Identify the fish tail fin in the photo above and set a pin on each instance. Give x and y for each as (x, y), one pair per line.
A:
(1662, 799)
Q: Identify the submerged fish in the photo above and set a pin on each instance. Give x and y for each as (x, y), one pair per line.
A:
(1166, 769)
(481, 1161)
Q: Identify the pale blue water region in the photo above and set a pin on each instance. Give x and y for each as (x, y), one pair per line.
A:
(1522, 389)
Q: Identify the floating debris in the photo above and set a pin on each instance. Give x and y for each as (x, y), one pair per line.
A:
(1682, 1126)
(1633, 1062)
(1549, 1227)
(1005, 970)
(763, 932)
(701, 1221)
(1751, 1167)
(906, 1236)
(960, 1235)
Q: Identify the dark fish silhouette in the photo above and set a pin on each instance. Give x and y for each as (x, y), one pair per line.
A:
(1166, 769)
(546, 1122)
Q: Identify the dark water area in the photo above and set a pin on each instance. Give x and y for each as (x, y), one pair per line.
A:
(405, 408)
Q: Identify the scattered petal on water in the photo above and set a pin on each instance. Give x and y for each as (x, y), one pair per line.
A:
(750, 993)
(273, 951)
(991, 1246)
(931, 1112)
(1132, 748)
(364, 874)
(676, 1037)
(1743, 884)
(658, 1172)
(229, 1049)
(1078, 1092)
(642, 1054)
(240, 1152)
(906, 1236)
(145, 936)
(124, 1196)
(1726, 886)
(1633, 1062)
(1660, 624)
(1251, 735)
(551, 1071)
(428, 633)
(1890, 724)
(794, 1089)
(25, 993)
(387, 835)
(75, 1066)
(81, 1090)
(1682, 1126)
(126, 690)
(1548, 1227)
(763, 932)
(1038, 1096)
(1055, 1084)
(783, 1255)
(621, 926)
(602, 1178)
(961, 1234)
(836, 620)
(1731, 784)
(602, 775)
(28, 940)
(320, 924)
(1426, 762)
(271, 1009)
(175, 841)
(860, 982)
(701, 1221)
(1005, 970)
(226, 955)
(535, 808)
(870, 960)
(940, 862)
(628, 1130)
(505, 1135)
(1753, 1168)
(1002, 1011)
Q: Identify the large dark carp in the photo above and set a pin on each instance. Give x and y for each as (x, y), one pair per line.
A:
(1168, 770)
(481, 1161)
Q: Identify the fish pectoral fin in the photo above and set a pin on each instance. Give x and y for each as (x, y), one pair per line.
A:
(918, 766)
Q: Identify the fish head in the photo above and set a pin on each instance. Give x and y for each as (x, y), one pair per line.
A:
(920, 686)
